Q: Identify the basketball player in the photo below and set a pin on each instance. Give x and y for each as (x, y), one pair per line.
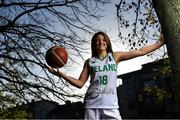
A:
(101, 98)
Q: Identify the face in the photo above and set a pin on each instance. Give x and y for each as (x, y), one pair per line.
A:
(101, 43)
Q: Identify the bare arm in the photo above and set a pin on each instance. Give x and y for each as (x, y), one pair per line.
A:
(120, 56)
(73, 81)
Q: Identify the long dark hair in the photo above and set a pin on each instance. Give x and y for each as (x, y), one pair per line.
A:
(93, 44)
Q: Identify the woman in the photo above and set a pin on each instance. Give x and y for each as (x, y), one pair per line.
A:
(101, 98)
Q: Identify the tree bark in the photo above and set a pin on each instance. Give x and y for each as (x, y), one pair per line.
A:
(168, 12)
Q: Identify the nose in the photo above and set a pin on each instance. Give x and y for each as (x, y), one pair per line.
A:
(100, 41)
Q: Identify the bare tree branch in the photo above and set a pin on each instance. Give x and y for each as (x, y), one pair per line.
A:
(28, 29)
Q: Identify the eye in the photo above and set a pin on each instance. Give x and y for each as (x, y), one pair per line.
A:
(97, 40)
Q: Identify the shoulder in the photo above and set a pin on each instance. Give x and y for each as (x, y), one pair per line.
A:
(117, 56)
(87, 61)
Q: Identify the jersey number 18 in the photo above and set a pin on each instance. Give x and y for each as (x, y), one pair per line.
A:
(103, 80)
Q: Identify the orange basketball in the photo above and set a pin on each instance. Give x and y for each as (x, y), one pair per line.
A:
(56, 56)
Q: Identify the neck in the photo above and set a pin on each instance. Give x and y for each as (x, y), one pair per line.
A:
(102, 54)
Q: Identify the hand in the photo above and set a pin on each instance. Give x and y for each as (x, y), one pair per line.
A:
(53, 71)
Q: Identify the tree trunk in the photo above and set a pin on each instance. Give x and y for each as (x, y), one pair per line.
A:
(168, 12)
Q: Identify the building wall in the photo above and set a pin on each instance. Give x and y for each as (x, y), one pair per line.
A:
(134, 84)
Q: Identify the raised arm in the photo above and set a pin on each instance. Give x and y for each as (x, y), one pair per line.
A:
(79, 83)
(120, 56)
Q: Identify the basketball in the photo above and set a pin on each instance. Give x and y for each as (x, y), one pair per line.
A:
(56, 56)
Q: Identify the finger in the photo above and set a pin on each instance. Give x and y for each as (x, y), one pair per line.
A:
(46, 66)
(51, 70)
(57, 69)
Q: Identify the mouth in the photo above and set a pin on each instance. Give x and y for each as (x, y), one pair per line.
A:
(101, 46)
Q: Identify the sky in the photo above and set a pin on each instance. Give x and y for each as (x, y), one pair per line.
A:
(109, 25)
